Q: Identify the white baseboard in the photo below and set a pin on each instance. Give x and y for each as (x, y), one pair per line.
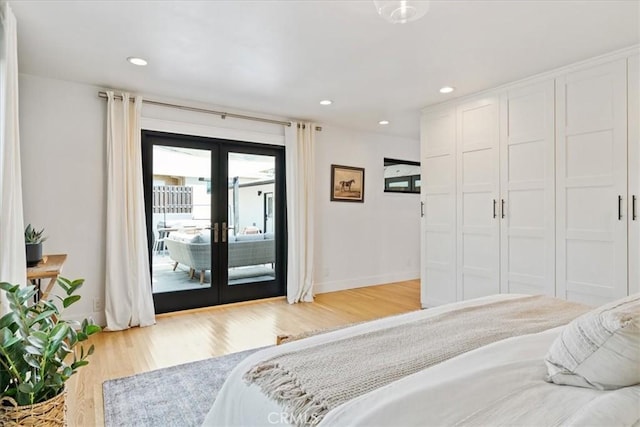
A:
(361, 282)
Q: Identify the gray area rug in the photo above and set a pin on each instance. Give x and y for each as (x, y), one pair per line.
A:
(175, 396)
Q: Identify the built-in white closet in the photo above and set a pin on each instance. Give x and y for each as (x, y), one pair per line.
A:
(438, 204)
(529, 188)
(527, 193)
(591, 183)
(478, 190)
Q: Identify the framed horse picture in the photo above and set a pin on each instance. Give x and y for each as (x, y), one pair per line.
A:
(347, 184)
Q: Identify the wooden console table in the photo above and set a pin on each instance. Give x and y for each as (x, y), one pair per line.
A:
(49, 268)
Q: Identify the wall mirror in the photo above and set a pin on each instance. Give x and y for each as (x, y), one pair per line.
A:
(401, 176)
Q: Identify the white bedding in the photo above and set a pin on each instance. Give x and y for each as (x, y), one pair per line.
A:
(501, 383)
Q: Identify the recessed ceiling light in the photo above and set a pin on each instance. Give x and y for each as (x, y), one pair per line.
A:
(137, 61)
(326, 102)
(446, 89)
(383, 122)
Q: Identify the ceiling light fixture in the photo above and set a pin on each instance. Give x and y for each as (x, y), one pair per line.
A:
(383, 122)
(401, 11)
(137, 61)
(447, 89)
(326, 102)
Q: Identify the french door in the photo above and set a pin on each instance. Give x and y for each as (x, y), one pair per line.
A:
(215, 214)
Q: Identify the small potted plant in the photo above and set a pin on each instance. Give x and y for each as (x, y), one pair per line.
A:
(39, 351)
(33, 242)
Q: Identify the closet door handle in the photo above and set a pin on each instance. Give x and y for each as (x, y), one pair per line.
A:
(421, 209)
(495, 203)
(224, 232)
(502, 208)
(634, 214)
(619, 208)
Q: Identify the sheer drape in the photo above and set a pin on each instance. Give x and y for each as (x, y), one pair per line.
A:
(12, 253)
(128, 299)
(299, 146)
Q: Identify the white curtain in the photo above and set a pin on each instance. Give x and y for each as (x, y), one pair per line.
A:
(299, 148)
(128, 299)
(12, 252)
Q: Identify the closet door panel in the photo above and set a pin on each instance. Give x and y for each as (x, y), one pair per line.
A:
(438, 245)
(591, 184)
(527, 229)
(633, 91)
(478, 243)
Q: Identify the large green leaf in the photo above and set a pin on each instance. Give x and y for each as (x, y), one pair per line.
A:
(70, 300)
(92, 329)
(31, 361)
(37, 341)
(5, 336)
(8, 287)
(8, 319)
(43, 315)
(40, 335)
(26, 388)
(64, 283)
(58, 332)
(74, 287)
(49, 305)
(26, 294)
(33, 350)
(79, 363)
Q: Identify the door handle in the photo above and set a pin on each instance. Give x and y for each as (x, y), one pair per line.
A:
(224, 232)
(421, 209)
(216, 231)
(495, 203)
(502, 208)
(634, 214)
(619, 208)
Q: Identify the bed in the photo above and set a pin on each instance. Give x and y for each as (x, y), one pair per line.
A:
(497, 383)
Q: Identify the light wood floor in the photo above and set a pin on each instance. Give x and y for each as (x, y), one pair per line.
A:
(199, 334)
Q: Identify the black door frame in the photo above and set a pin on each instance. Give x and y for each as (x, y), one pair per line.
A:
(220, 292)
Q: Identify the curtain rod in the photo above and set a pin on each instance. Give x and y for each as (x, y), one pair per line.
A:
(222, 114)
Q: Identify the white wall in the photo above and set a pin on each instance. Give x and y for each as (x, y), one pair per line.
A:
(62, 128)
(62, 132)
(375, 242)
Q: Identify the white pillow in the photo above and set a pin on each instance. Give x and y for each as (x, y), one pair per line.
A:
(600, 349)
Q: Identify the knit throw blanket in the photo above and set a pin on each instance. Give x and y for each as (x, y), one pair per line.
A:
(310, 382)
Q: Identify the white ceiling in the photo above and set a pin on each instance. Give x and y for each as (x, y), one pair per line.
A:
(282, 57)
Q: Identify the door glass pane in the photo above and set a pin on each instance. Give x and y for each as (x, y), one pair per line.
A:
(252, 245)
(182, 194)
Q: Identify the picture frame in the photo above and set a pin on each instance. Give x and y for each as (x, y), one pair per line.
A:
(347, 184)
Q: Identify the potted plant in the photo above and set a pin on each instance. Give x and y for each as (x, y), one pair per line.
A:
(33, 242)
(39, 351)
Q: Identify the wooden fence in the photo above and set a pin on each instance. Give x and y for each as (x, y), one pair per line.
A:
(172, 199)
